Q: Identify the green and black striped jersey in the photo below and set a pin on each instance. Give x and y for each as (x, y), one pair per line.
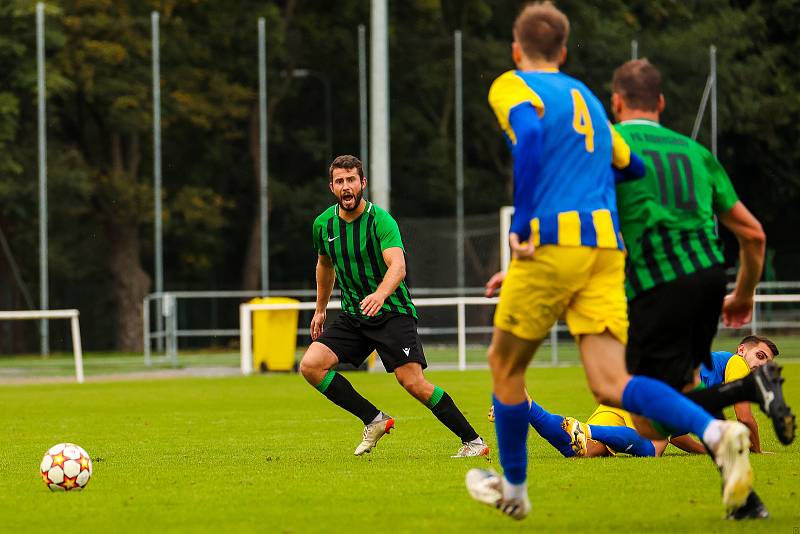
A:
(356, 250)
(667, 217)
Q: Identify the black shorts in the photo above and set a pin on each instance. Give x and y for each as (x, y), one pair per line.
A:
(672, 326)
(393, 335)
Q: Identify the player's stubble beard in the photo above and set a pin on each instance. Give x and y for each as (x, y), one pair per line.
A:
(356, 200)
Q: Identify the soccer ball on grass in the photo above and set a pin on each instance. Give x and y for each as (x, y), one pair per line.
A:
(66, 467)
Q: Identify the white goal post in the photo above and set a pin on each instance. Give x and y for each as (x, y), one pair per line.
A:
(246, 322)
(75, 327)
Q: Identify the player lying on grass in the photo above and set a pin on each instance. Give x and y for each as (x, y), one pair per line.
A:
(611, 430)
(565, 266)
(359, 245)
(569, 262)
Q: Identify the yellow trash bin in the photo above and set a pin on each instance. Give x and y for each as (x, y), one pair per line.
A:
(274, 336)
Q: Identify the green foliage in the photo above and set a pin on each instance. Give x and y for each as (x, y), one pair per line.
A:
(100, 118)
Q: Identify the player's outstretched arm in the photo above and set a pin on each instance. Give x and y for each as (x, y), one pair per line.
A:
(745, 416)
(688, 443)
(737, 309)
(325, 278)
(395, 260)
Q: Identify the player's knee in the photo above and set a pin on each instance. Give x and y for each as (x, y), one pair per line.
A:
(409, 382)
(306, 367)
(414, 383)
(503, 365)
(311, 368)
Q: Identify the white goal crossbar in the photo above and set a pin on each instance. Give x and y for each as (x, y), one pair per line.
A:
(246, 322)
(75, 327)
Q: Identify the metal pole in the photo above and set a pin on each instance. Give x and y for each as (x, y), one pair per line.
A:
(702, 110)
(462, 335)
(328, 120)
(634, 49)
(379, 105)
(157, 210)
(262, 152)
(245, 341)
(554, 344)
(76, 347)
(713, 60)
(44, 289)
(362, 94)
(146, 331)
(459, 127)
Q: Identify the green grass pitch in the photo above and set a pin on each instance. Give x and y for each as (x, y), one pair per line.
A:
(270, 454)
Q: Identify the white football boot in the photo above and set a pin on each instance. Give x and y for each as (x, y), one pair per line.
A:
(373, 432)
(471, 449)
(732, 455)
(486, 486)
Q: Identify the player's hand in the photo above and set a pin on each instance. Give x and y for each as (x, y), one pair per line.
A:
(494, 283)
(521, 251)
(371, 305)
(737, 311)
(317, 324)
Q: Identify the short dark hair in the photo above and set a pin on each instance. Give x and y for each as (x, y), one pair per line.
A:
(755, 340)
(638, 82)
(346, 162)
(541, 30)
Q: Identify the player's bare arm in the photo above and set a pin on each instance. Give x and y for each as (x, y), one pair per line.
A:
(737, 309)
(494, 283)
(688, 443)
(520, 250)
(325, 278)
(396, 273)
(745, 416)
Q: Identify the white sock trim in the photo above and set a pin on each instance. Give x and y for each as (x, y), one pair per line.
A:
(514, 491)
(713, 434)
(378, 417)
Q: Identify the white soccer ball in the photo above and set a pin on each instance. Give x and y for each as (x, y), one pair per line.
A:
(66, 467)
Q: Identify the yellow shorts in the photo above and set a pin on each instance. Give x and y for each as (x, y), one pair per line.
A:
(583, 285)
(608, 416)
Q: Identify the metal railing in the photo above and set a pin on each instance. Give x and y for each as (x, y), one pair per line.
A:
(167, 305)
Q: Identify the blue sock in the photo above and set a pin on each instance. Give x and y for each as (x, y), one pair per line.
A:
(549, 427)
(511, 425)
(657, 401)
(623, 439)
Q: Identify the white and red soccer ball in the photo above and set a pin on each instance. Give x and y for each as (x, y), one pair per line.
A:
(66, 467)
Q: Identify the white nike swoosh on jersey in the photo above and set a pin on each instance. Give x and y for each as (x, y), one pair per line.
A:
(332, 238)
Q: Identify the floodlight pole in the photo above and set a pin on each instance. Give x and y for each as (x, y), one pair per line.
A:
(362, 95)
(158, 243)
(459, 128)
(44, 288)
(379, 105)
(262, 153)
(712, 52)
(634, 49)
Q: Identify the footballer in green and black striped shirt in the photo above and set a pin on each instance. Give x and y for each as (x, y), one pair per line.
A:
(356, 249)
(359, 245)
(676, 276)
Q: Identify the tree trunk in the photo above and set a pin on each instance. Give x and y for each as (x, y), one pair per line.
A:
(130, 284)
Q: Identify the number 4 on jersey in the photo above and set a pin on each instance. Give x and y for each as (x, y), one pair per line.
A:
(581, 120)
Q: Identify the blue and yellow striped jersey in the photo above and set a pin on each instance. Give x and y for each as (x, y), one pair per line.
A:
(563, 149)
